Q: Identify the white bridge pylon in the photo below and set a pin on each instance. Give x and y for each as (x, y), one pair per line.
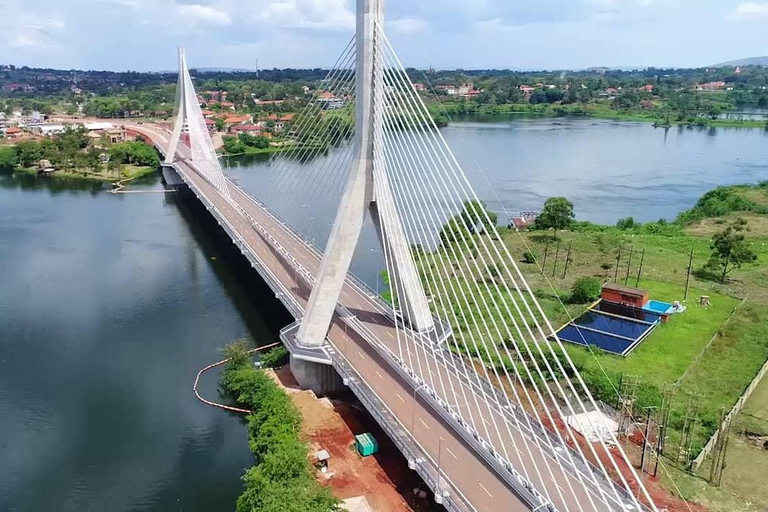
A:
(368, 189)
(189, 120)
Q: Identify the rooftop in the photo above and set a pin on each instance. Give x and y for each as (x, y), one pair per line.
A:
(626, 290)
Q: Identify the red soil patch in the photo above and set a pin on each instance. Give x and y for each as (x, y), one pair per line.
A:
(331, 424)
(663, 499)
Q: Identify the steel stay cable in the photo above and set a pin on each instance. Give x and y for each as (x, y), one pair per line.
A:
(434, 229)
(512, 317)
(384, 188)
(309, 120)
(496, 327)
(468, 350)
(437, 134)
(519, 378)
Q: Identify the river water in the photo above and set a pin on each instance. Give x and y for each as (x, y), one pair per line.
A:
(110, 304)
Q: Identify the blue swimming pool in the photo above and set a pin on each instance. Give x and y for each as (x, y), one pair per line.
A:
(658, 306)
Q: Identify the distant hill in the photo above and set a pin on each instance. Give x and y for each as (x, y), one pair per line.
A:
(752, 61)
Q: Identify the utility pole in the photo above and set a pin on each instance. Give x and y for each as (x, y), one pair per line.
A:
(618, 260)
(666, 410)
(718, 455)
(628, 397)
(640, 269)
(629, 263)
(567, 258)
(688, 277)
(546, 251)
(439, 451)
(557, 255)
(645, 438)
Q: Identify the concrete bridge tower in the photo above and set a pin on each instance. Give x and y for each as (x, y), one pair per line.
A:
(369, 191)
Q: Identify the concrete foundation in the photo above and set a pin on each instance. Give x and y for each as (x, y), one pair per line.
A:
(322, 379)
(171, 178)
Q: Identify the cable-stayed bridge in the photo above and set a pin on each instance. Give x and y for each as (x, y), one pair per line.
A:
(484, 436)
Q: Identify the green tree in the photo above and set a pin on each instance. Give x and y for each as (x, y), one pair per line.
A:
(730, 250)
(220, 124)
(455, 230)
(557, 214)
(477, 217)
(28, 153)
(7, 158)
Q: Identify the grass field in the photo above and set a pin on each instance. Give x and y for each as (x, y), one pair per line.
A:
(663, 357)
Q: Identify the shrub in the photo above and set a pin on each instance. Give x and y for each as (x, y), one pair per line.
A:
(275, 357)
(528, 257)
(585, 289)
(626, 223)
(282, 479)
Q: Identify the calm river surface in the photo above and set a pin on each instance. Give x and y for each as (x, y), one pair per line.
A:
(110, 304)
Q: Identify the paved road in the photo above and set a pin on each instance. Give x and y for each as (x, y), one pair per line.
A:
(465, 472)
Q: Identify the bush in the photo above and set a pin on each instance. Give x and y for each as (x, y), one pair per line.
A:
(586, 289)
(528, 257)
(275, 357)
(626, 223)
(282, 479)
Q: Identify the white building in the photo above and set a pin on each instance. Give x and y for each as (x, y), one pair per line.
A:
(98, 126)
(47, 128)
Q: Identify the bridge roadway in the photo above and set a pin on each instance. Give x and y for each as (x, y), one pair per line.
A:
(473, 480)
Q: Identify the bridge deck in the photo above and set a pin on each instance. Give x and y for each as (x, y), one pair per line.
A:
(362, 347)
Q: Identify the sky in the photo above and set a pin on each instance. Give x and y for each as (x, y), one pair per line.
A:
(142, 35)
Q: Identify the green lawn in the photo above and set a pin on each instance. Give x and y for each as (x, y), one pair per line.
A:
(727, 368)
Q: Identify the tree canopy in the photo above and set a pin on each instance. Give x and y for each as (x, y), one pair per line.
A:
(730, 250)
(557, 214)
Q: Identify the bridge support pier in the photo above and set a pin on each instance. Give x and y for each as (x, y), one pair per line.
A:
(322, 379)
(171, 178)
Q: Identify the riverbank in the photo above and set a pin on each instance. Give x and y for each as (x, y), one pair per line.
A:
(596, 110)
(128, 172)
(286, 425)
(250, 150)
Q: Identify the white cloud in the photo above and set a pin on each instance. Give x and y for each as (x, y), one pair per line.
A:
(309, 14)
(750, 11)
(34, 31)
(496, 25)
(197, 15)
(408, 25)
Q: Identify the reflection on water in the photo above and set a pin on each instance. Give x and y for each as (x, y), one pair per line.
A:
(109, 305)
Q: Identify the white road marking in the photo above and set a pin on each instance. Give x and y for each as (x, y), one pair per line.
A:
(360, 354)
(486, 490)
(377, 373)
(401, 398)
(452, 454)
(422, 422)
